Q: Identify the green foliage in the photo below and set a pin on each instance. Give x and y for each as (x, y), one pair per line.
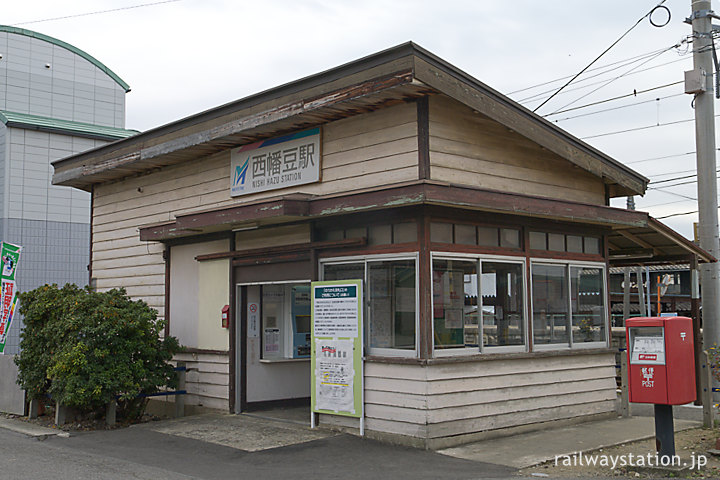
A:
(85, 348)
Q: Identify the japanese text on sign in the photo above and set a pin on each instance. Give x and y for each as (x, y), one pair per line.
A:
(336, 311)
(276, 163)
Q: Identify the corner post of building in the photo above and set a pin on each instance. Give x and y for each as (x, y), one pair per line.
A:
(232, 329)
(425, 279)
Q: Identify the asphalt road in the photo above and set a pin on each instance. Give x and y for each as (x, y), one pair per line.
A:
(138, 453)
(143, 454)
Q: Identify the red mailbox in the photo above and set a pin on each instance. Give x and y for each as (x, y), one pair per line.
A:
(661, 360)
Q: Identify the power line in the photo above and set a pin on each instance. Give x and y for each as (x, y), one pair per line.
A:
(635, 93)
(637, 129)
(611, 81)
(95, 13)
(661, 158)
(677, 215)
(635, 104)
(540, 95)
(672, 173)
(591, 70)
(599, 56)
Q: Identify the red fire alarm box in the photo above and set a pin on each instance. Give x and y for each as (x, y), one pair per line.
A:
(225, 314)
(661, 360)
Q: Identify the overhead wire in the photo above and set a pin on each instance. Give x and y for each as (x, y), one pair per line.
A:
(605, 84)
(643, 55)
(635, 104)
(600, 56)
(635, 93)
(130, 7)
(540, 95)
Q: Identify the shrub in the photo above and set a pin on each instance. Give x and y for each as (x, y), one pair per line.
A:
(85, 348)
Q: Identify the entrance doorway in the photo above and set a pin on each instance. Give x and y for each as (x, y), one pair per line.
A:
(273, 349)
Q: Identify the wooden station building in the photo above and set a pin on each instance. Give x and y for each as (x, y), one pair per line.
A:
(482, 233)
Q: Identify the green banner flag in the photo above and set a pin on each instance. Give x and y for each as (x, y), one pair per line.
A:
(9, 257)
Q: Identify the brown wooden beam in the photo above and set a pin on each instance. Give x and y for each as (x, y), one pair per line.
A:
(639, 241)
(423, 133)
(296, 247)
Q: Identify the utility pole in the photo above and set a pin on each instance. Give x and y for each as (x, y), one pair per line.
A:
(702, 78)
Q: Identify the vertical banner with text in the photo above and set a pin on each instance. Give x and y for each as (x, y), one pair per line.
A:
(337, 340)
(9, 257)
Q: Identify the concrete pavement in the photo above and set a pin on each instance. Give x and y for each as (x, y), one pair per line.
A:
(223, 445)
(533, 448)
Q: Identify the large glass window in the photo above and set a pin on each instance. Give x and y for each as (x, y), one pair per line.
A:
(568, 303)
(550, 304)
(392, 305)
(461, 298)
(502, 289)
(588, 304)
(455, 304)
(391, 300)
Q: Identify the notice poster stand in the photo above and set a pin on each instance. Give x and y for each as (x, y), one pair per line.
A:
(336, 365)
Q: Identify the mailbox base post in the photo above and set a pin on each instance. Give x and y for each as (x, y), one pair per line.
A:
(664, 430)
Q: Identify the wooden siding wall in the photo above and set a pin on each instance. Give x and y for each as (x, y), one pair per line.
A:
(377, 148)
(469, 148)
(464, 398)
(207, 380)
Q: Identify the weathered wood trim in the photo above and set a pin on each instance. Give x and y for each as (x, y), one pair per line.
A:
(90, 258)
(488, 357)
(232, 331)
(284, 249)
(423, 137)
(166, 258)
(203, 351)
(408, 194)
(217, 138)
(425, 313)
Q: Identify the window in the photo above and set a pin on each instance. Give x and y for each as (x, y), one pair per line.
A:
(390, 299)
(285, 318)
(587, 291)
(455, 304)
(568, 304)
(476, 312)
(549, 304)
(503, 304)
(461, 234)
(384, 234)
(391, 304)
(558, 242)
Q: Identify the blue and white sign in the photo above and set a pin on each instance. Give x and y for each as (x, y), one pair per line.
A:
(276, 163)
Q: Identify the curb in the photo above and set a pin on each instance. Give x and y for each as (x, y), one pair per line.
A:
(30, 429)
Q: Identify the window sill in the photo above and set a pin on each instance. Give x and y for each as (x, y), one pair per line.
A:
(284, 360)
(489, 357)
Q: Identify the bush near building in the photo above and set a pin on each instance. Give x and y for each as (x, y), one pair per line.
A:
(85, 348)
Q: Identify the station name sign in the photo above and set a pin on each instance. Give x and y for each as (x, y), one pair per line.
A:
(276, 163)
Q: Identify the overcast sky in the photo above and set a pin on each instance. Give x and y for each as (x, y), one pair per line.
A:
(183, 57)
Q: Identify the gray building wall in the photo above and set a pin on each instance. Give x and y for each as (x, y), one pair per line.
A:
(51, 223)
(71, 88)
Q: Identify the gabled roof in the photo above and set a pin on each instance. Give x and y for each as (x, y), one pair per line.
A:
(55, 125)
(392, 76)
(67, 46)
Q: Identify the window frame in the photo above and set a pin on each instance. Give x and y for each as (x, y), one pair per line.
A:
(365, 259)
(481, 348)
(571, 344)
